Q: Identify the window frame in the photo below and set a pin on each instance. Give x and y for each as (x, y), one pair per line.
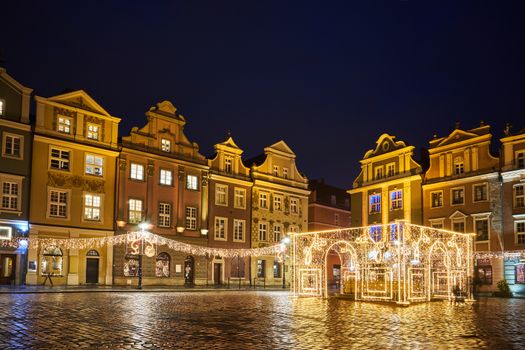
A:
(517, 233)
(93, 207)
(520, 156)
(59, 124)
(165, 145)
(10, 196)
(265, 206)
(60, 159)
(391, 166)
(275, 171)
(235, 230)
(518, 197)
(237, 190)
(280, 231)
(20, 138)
(458, 166)
(458, 221)
(218, 234)
(192, 182)
(162, 215)
(97, 133)
(377, 204)
(462, 188)
(294, 203)
(278, 198)
(190, 223)
(2, 107)
(399, 200)
(94, 164)
(432, 201)
(477, 219)
(218, 194)
(67, 204)
(285, 173)
(162, 179)
(261, 236)
(483, 184)
(133, 175)
(135, 211)
(228, 164)
(379, 169)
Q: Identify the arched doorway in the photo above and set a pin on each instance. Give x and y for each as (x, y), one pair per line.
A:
(189, 270)
(341, 272)
(439, 266)
(92, 264)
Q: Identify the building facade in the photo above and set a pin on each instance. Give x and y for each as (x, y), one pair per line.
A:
(162, 183)
(462, 193)
(15, 176)
(230, 213)
(279, 205)
(72, 188)
(388, 188)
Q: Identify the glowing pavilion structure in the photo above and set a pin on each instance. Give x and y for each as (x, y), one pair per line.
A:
(398, 262)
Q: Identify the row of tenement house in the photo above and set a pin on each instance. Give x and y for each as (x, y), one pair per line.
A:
(65, 174)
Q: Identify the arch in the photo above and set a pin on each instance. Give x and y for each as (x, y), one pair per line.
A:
(348, 267)
(439, 274)
(162, 265)
(92, 253)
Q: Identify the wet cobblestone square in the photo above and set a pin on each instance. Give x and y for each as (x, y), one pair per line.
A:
(251, 320)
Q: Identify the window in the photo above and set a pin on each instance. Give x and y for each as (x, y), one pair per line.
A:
(58, 201)
(293, 229)
(93, 131)
(277, 232)
(164, 214)
(137, 171)
(480, 192)
(2, 107)
(131, 265)
(239, 200)
(396, 199)
(263, 200)
(59, 159)
(519, 196)
(391, 169)
(294, 206)
(221, 194)
(165, 145)
(436, 199)
(191, 218)
(166, 177)
(336, 219)
(221, 225)
(482, 229)
(394, 231)
(378, 173)
(277, 202)
(94, 165)
(261, 268)
(228, 164)
(375, 233)
(436, 223)
(519, 228)
(12, 146)
(458, 225)
(64, 125)
(459, 166)
(191, 182)
(92, 205)
(10, 192)
(162, 265)
(263, 231)
(520, 159)
(276, 269)
(275, 170)
(6, 232)
(520, 273)
(285, 173)
(375, 203)
(135, 211)
(458, 196)
(238, 230)
(484, 274)
(51, 263)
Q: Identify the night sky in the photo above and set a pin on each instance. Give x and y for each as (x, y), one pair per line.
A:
(327, 77)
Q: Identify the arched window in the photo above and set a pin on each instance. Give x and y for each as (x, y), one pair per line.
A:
(162, 265)
(92, 253)
(131, 265)
(52, 261)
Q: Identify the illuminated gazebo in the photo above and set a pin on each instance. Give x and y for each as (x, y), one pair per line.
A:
(398, 262)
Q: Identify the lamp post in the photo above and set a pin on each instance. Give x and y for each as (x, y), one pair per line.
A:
(142, 227)
(285, 241)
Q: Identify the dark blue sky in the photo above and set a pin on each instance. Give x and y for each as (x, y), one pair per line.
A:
(327, 77)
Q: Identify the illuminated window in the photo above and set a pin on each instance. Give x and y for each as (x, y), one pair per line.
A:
(191, 218)
(394, 231)
(240, 198)
(436, 199)
(221, 227)
(294, 206)
(519, 228)
(520, 159)
(94, 165)
(519, 196)
(261, 268)
(278, 202)
(136, 171)
(285, 173)
(135, 211)
(277, 232)
(484, 274)
(2, 107)
(480, 192)
(391, 169)
(378, 173)
(221, 194)
(10, 192)
(276, 269)
(396, 199)
(458, 225)
(275, 170)
(459, 166)
(263, 231)
(59, 159)
(228, 161)
(164, 214)
(51, 263)
(92, 206)
(12, 146)
(165, 145)
(64, 124)
(458, 196)
(374, 203)
(162, 265)
(58, 201)
(191, 182)
(238, 230)
(375, 233)
(166, 177)
(93, 131)
(263, 200)
(481, 225)
(336, 219)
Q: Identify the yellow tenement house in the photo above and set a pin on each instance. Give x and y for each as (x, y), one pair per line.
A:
(72, 188)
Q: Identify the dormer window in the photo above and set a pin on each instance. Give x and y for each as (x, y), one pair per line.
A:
(276, 170)
(64, 125)
(459, 166)
(520, 159)
(2, 107)
(391, 169)
(285, 173)
(165, 145)
(228, 164)
(93, 131)
(378, 173)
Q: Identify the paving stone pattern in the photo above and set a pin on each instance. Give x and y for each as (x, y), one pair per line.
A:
(251, 320)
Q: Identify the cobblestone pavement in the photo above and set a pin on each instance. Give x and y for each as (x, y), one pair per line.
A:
(251, 320)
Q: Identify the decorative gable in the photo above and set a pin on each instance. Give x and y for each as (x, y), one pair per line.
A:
(385, 144)
(80, 99)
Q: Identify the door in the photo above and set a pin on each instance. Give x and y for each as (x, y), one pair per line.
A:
(189, 267)
(91, 270)
(7, 268)
(217, 273)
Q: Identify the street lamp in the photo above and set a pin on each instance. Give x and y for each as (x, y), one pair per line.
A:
(284, 243)
(143, 226)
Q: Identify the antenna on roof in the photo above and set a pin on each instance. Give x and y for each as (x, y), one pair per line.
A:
(457, 125)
